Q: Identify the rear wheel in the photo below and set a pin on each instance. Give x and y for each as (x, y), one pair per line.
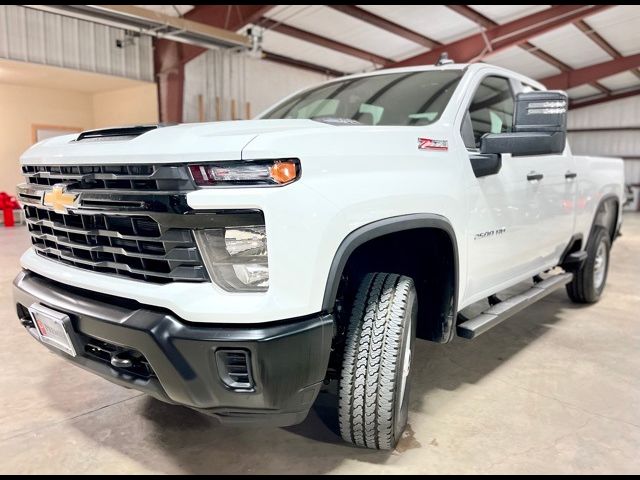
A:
(374, 382)
(589, 282)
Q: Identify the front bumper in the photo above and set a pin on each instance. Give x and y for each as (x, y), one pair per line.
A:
(287, 360)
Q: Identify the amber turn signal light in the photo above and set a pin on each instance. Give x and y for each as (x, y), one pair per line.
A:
(284, 172)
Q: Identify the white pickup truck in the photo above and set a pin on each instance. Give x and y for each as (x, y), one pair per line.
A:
(235, 267)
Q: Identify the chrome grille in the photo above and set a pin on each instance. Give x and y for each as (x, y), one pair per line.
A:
(131, 245)
(113, 177)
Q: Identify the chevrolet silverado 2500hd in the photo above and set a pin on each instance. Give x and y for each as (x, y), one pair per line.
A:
(234, 267)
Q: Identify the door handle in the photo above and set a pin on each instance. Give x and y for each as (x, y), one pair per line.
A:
(570, 175)
(535, 176)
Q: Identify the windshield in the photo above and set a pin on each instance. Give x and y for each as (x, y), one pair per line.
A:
(409, 98)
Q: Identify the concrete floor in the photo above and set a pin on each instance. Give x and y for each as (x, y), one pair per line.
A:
(555, 389)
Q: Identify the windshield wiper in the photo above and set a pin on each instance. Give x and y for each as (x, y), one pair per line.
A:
(335, 120)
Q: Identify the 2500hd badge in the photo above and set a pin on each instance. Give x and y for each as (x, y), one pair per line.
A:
(490, 233)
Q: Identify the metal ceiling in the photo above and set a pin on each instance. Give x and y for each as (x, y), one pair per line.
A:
(542, 41)
(606, 34)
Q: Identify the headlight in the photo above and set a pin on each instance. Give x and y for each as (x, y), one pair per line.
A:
(236, 257)
(249, 173)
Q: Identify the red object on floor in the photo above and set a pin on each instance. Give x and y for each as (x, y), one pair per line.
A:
(8, 204)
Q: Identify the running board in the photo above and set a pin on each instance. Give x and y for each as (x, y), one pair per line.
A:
(501, 311)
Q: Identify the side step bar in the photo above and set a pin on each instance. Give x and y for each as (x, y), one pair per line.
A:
(501, 311)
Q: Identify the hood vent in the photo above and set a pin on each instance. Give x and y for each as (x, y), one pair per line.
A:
(118, 133)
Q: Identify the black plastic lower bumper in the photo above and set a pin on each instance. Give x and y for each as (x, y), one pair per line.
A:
(287, 360)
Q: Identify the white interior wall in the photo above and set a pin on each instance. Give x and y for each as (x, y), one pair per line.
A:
(232, 75)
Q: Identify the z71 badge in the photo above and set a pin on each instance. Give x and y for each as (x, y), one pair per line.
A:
(431, 144)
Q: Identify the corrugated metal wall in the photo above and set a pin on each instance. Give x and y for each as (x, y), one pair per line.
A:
(215, 74)
(40, 37)
(624, 113)
(609, 129)
(217, 77)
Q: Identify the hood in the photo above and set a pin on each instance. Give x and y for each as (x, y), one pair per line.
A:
(187, 142)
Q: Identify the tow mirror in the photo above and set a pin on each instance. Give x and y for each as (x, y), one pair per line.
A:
(540, 126)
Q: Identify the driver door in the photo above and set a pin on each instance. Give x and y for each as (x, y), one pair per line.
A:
(503, 204)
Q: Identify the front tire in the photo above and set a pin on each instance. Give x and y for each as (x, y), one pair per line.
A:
(589, 282)
(374, 382)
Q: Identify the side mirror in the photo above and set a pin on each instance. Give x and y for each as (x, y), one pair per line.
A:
(540, 126)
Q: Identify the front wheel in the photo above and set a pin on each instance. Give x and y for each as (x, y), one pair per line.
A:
(374, 382)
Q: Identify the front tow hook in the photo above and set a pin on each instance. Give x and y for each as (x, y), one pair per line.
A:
(121, 362)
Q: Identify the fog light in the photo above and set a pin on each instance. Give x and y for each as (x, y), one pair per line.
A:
(246, 241)
(256, 275)
(236, 257)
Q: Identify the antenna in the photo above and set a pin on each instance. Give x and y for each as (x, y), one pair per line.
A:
(444, 60)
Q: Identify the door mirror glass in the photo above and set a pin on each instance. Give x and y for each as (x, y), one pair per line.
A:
(540, 126)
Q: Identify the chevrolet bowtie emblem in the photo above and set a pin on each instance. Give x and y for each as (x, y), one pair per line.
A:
(59, 200)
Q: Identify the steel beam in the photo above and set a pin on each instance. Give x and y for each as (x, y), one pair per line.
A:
(473, 15)
(597, 38)
(500, 37)
(601, 42)
(169, 68)
(385, 24)
(169, 57)
(292, 62)
(485, 22)
(322, 41)
(592, 73)
(587, 102)
(228, 17)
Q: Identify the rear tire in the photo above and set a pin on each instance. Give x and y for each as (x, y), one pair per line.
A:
(374, 382)
(589, 282)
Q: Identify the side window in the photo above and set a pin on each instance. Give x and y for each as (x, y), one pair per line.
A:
(491, 110)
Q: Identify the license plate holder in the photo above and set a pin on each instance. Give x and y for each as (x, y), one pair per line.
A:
(54, 328)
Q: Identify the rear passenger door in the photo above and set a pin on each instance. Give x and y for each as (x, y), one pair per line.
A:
(503, 205)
